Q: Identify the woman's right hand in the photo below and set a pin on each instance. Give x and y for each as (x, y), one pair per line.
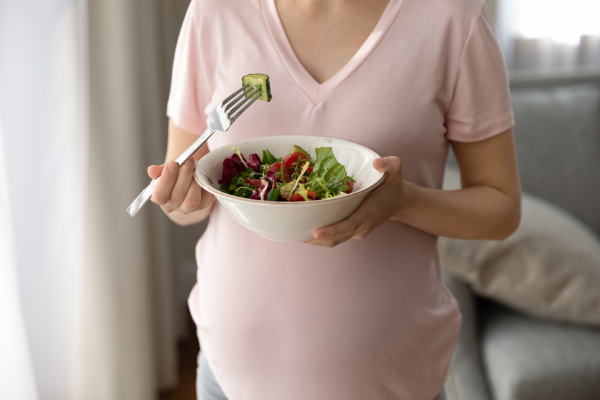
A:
(177, 190)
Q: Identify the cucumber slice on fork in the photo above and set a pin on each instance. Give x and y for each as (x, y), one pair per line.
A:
(260, 82)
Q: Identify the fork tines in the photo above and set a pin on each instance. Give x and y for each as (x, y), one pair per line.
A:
(248, 94)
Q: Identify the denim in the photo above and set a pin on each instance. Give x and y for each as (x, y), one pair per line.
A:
(207, 387)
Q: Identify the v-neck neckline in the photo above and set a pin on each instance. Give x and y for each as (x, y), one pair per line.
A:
(316, 91)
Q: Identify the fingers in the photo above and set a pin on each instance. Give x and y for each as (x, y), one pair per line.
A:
(206, 198)
(357, 226)
(162, 191)
(154, 171)
(344, 228)
(387, 164)
(378, 207)
(351, 225)
(177, 190)
(196, 199)
(181, 188)
(329, 242)
(172, 187)
(192, 199)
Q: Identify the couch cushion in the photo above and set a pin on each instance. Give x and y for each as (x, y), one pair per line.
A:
(557, 133)
(550, 267)
(531, 359)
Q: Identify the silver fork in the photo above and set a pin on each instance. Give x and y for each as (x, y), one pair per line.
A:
(220, 119)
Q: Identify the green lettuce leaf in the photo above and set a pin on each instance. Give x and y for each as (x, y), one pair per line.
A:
(268, 158)
(329, 177)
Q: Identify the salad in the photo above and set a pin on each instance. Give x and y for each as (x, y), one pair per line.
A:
(296, 177)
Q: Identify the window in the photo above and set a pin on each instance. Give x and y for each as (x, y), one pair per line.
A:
(549, 34)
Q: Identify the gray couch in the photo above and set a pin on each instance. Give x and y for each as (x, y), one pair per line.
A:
(503, 354)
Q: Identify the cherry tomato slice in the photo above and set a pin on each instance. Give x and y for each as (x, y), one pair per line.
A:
(350, 187)
(289, 162)
(253, 182)
(275, 167)
(296, 197)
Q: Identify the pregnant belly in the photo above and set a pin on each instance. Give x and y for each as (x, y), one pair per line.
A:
(295, 313)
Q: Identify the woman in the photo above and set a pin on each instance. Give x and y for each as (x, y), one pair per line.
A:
(360, 311)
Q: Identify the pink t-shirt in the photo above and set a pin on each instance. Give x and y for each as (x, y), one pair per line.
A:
(369, 319)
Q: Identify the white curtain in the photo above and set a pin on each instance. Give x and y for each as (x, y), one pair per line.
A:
(90, 298)
(43, 104)
(129, 286)
(16, 372)
(550, 35)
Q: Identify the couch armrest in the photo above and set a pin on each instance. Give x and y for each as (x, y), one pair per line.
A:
(528, 358)
(466, 369)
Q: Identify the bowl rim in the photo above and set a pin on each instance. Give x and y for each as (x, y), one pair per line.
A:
(228, 196)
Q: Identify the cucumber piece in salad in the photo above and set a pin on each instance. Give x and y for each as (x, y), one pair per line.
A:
(261, 83)
(298, 149)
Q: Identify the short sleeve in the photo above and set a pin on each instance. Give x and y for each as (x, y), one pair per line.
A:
(189, 95)
(480, 106)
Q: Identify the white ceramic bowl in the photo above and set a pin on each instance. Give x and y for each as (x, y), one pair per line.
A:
(291, 221)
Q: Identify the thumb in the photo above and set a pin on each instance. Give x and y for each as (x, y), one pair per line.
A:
(154, 171)
(387, 164)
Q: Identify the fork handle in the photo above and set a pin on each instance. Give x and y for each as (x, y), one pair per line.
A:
(195, 146)
(143, 197)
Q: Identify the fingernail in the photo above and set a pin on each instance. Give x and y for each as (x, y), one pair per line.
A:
(381, 162)
(172, 166)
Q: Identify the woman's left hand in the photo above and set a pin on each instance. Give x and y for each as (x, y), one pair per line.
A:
(380, 205)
